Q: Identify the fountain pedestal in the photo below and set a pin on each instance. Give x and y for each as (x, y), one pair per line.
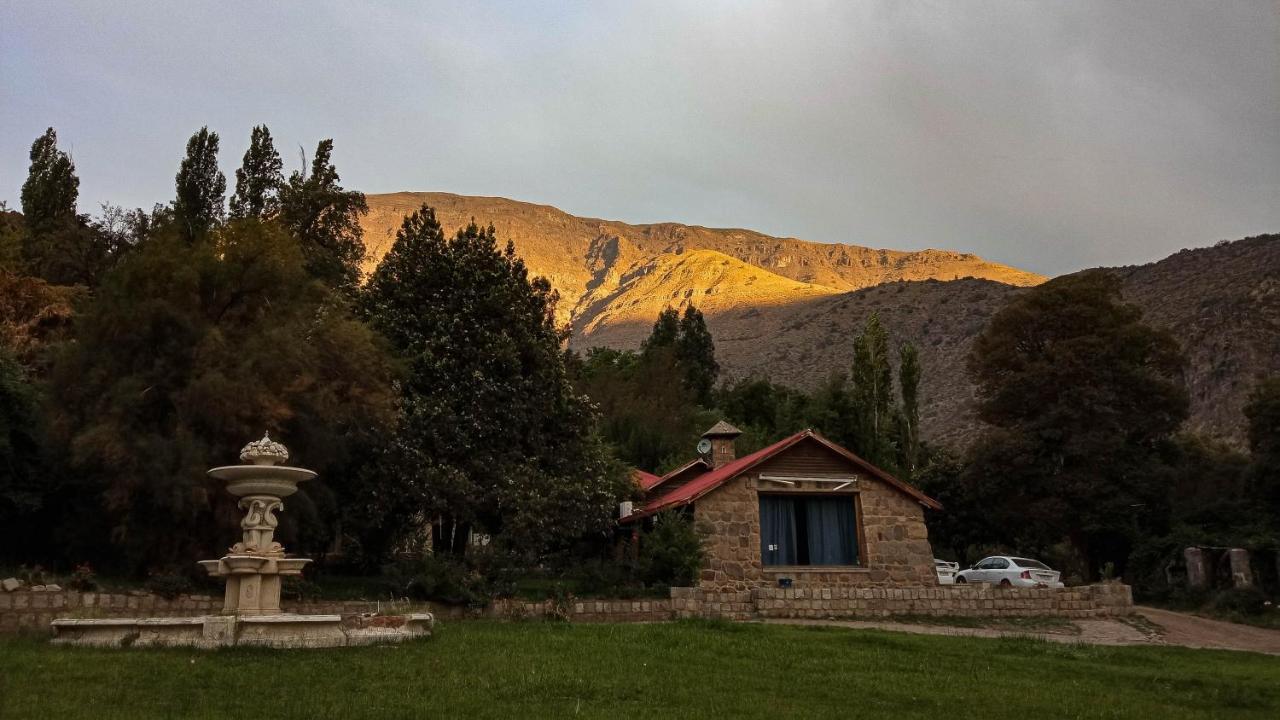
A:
(252, 569)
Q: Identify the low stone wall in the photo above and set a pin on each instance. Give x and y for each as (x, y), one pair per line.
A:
(976, 600)
(26, 611)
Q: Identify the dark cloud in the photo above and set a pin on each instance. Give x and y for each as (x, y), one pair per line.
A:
(1050, 135)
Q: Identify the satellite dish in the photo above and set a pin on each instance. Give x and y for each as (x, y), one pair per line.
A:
(704, 447)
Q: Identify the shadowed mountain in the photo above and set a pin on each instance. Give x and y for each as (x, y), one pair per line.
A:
(1222, 303)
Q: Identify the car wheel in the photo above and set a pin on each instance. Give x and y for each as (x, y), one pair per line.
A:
(961, 581)
(1006, 583)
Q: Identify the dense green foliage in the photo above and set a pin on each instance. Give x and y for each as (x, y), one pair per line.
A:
(689, 670)
(236, 338)
(671, 551)
(20, 467)
(492, 437)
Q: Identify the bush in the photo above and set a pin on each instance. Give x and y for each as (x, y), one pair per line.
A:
(448, 580)
(298, 588)
(671, 553)
(1242, 601)
(83, 579)
(169, 585)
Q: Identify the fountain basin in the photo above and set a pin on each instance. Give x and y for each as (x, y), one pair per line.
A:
(269, 480)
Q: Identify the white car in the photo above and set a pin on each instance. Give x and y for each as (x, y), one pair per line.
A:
(1011, 572)
(946, 571)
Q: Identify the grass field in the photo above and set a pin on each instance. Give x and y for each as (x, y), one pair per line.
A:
(691, 669)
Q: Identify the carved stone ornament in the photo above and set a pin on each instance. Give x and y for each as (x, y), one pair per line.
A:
(259, 513)
(264, 452)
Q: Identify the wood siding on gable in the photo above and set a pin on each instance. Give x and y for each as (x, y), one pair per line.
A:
(807, 458)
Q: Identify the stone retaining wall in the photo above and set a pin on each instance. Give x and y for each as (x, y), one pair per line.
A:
(26, 611)
(976, 600)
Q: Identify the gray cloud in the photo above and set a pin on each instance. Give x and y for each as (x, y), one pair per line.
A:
(1053, 136)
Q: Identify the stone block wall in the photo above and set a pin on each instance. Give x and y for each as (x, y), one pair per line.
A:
(31, 612)
(977, 600)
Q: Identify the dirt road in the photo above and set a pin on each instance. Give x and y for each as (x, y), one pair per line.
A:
(1148, 626)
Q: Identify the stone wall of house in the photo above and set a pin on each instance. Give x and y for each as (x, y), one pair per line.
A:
(894, 541)
(30, 612)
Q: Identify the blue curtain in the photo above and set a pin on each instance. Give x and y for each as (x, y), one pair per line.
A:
(777, 530)
(832, 539)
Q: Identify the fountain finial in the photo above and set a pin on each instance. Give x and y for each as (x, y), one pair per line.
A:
(264, 452)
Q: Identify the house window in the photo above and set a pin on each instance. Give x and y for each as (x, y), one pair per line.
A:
(808, 530)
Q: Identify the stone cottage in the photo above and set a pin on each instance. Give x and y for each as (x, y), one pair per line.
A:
(803, 512)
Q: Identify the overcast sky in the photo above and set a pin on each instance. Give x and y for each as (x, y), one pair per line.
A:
(1048, 135)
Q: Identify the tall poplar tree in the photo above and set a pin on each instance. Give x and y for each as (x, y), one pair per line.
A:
(909, 385)
(201, 187)
(258, 179)
(50, 192)
(872, 394)
(325, 219)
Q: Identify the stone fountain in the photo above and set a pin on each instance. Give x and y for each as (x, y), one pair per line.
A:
(252, 570)
(254, 566)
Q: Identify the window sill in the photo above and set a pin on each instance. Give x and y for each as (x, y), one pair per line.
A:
(791, 569)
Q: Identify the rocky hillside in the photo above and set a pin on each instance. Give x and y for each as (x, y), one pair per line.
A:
(600, 266)
(1222, 303)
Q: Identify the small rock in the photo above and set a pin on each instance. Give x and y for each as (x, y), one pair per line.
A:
(37, 588)
(10, 584)
(53, 588)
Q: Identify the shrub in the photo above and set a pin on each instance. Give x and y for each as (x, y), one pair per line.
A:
(449, 580)
(671, 553)
(83, 579)
(1243, 601)
(297, 588)
(168, 585)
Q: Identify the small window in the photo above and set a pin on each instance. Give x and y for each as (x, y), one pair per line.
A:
(800, 530)
(999, 563)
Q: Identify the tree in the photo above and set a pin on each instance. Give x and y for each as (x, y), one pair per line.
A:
(55, 243)
(1263, 414)
(696, 353)
(665, 332)
(1083, 399)
(21, 473)
(690, 344)
(872, 394)
(50, 192)
(491, 435)
(187, 350)
(326, 221)
(201, 187)
(909, 384)
(258, 178)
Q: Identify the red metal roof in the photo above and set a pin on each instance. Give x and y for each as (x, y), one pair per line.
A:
(713, 479)
(645, 480)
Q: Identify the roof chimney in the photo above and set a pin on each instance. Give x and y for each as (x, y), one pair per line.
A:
(722, 435)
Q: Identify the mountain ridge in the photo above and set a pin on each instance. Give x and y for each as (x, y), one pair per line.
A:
(788, 309)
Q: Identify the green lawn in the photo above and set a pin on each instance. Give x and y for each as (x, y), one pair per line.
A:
(695, 669)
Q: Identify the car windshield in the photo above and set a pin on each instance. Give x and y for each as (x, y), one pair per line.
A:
(1027, 563)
